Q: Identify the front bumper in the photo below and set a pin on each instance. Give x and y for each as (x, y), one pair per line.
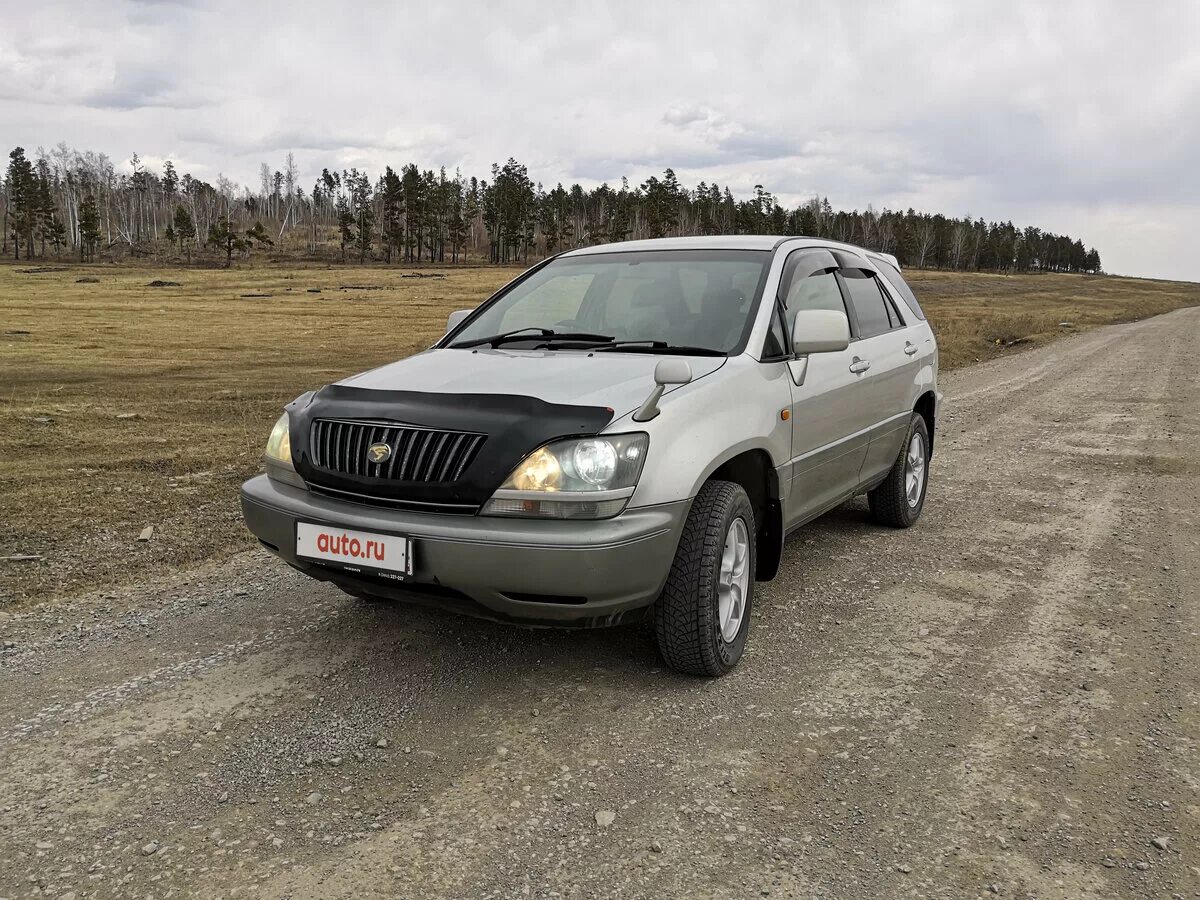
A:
(560, 573)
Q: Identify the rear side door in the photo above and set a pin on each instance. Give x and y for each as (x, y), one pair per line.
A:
(888, 360)
(830, 431)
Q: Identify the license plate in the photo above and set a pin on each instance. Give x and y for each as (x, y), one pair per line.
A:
(355, 551)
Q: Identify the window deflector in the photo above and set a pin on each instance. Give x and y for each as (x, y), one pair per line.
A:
(847, 260)
(800, 264)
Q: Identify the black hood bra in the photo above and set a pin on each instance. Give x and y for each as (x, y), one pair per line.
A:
(510, 426)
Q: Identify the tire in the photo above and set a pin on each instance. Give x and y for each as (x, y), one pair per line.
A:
(687, 616)
(893, 503)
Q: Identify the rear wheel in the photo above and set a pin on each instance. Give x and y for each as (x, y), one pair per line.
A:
(702, 618)
(899, 500)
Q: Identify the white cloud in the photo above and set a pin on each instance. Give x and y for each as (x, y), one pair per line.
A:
(1076, 116)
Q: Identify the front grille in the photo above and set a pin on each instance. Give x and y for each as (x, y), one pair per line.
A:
(418, 454)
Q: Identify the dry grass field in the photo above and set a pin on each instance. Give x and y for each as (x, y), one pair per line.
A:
(977, 315)
(124, 405)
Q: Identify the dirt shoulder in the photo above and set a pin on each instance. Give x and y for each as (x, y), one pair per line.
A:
(1001, 700)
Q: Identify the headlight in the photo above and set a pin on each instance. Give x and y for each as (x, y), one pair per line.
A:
(606, 463)
(539, 471)
(595, 461)
(588, 478)
(277, 458)
(279, 444)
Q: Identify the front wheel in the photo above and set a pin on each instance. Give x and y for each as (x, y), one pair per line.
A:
(899, 500)
(702, 617)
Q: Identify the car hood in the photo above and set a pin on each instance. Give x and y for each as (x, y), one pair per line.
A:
(621, 381)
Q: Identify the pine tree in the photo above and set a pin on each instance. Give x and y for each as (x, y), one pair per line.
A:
(258, 235)
(457, 227)
(89, 228)
(185, 229)
(392, 196)
(22, 201)
(345, 223)
(414, 212)
(170, 180)
(364, 215)
(45, 213)
(58, 235)
(225, 237)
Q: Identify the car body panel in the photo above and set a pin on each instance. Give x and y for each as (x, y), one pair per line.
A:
(885, 394)
(830, 434)
(703, 424)
(620, 381)
(491, 567)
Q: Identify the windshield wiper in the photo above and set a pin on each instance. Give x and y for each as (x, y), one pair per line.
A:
(648, 346)
(547, 336)
(503, 336)
(522, 334)
(585, 338)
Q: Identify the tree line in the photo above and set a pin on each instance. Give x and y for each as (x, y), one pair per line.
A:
(68, 201)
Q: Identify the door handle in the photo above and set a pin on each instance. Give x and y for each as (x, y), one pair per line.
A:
(859, 366)
(910, 348)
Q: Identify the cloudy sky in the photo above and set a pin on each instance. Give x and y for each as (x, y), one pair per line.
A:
(1078, 117)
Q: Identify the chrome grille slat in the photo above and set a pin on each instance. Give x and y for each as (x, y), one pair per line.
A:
(343, 446)
(424, 455)
(358, 454)
(409, 443)
(397, 450)
(419, 457)
(448, 457)
(474, 442)
(433, 462)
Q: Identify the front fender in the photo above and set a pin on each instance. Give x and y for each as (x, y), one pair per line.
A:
(708, 422)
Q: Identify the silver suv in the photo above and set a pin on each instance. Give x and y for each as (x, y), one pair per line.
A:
(623, 431)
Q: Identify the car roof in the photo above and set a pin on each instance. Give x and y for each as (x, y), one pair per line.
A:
(723, 242)
(713, 242)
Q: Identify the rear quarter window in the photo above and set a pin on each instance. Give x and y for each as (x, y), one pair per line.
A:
(896, 281)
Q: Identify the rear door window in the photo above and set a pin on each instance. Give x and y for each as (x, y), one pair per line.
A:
(874, 313)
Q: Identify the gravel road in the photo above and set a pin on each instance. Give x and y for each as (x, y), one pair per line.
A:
(1002, 700)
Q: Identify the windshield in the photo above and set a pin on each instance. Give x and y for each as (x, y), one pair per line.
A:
(684, 300)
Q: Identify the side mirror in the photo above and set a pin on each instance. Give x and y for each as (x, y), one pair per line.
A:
(820, 331)
(456, 317)
(668, 371)
(672, 371)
